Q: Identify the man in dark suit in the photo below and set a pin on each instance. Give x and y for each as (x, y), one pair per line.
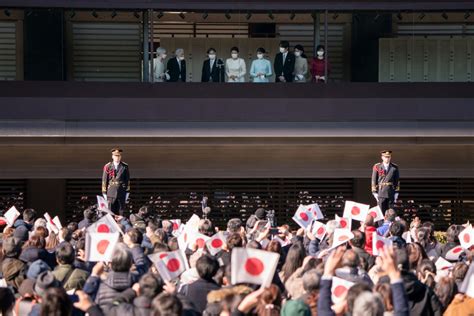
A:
(385, 181)
(116, 182)
(284, 63)
(212, 68)
(176, 67)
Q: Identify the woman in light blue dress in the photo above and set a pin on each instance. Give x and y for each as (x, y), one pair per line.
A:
(261, 68)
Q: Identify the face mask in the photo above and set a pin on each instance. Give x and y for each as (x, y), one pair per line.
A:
(297, 54)
(259, 56)
(282, 49)
(181, 57)
(234, 55)
(212, 56)
(320, 53)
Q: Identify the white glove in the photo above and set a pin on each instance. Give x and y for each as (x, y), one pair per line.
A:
(376, 196)
(300, 77)
(396, 196)
(105, 196)
(167, 76)
(126, 196)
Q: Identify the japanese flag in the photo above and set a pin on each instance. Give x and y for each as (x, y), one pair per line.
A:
(314, 208)
(467, 286)
(356, 211)
(379, 242)
(170, 265)
(376, 213)
(466, 237)
(443, 264)
(11, 215)
(253, 266)
(103, 205)
(454, 253)
(193, 223)
(50, 224)
(176, 224)
(100, 246)
(215, 243)
(345, 223)
(319, 230)
(282, 242)
(303, 216)
(105, 224)
(197, 239)
(407, 237)
(57, 222)
(341, 235)
(339, 289)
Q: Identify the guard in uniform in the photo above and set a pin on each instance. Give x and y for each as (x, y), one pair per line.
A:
(116, 182)
(385, 181)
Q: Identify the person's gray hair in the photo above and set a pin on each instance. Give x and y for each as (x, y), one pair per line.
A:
(311, 280)
(178, 51)
(331, 226)
(160, 51)
(121, 258)
(368, 304)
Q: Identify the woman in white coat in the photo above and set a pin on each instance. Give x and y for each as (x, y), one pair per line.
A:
(235, 67)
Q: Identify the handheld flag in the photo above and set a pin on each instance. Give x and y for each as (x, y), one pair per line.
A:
(100, 246)
(253, 266)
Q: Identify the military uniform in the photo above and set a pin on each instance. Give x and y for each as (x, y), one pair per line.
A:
(386, 183)
(116, 185)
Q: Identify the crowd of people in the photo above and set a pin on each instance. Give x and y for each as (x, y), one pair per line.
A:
(288, 66)
(44, 271)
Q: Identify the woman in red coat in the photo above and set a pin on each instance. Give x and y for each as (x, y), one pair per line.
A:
(318, 64)
(369, 229)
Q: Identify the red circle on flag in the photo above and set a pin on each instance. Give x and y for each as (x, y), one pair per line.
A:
(343, 223)
(466, 238)
(343, 237)
(320, 230)
(175, 226)
(102, 246)
(373, 214)
(200, 242)
(457, 249)
(304, 216)
(173, 265)
(216, 243)
(163, 255)
(379, 244)
(103, 228)
(340, 290)
(254, 266)
(355, 210)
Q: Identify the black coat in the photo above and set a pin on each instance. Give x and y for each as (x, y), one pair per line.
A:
(197, 292)
(421, 299)
(116, 183)
(214, 75)
(176, 74)
(385, 183)
(286, 69)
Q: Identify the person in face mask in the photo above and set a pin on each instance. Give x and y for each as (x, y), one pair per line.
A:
(212, 68)
(159, 69)
(235, 67)
(284, 63)
(176, 67)
(261, 68)
(301, 64)
(318, 64)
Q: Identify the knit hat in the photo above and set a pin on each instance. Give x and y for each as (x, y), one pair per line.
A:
(295, 308)
(36, 268)
(44, 281)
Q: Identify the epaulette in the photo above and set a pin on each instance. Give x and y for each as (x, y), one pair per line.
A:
(126, 164)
